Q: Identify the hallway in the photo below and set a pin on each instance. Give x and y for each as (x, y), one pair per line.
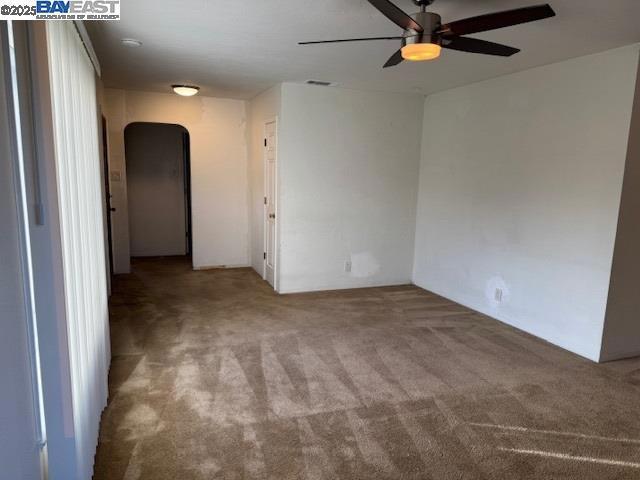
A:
(216, 376)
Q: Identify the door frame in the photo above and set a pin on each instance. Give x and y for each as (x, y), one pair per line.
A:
(187, 185)
(107, 196)
(265, 213)
(186, 160)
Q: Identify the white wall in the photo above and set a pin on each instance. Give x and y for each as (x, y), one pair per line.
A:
(220, 209)
(348, 162)
(156, 189)
(520, 185)
(262, 108)
(622, 328)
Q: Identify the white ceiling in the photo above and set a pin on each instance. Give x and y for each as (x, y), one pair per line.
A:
(235, 48)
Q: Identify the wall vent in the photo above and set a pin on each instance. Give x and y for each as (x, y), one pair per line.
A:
(320, 83)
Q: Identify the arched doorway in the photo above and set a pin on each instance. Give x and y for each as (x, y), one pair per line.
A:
(158, 189)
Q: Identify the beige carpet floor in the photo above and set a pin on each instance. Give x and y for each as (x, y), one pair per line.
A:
(214, 376)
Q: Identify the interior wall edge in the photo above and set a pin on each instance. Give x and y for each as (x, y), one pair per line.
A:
(621, 329)
(263, 107)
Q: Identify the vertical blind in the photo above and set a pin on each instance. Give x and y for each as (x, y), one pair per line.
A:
(78, 166)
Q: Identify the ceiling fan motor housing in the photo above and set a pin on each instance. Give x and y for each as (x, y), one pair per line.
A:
(431, 23)
(423, 3)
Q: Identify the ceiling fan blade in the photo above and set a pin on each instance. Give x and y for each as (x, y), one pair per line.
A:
(475, 45)
(493, 21)
(350, 40)
(394, 60)
(396, 15)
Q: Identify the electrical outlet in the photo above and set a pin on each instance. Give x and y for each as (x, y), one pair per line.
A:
(347, 266)
(498, 295)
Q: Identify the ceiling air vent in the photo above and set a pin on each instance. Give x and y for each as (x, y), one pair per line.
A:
(320, 83)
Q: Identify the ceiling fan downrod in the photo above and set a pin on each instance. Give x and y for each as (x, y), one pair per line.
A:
(423, 4)
(429, 21)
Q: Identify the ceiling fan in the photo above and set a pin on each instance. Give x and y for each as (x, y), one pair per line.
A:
(425, 35)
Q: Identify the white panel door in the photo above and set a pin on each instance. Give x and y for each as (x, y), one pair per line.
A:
(270, 169)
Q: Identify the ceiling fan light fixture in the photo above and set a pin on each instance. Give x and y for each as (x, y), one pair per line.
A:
(185, 90)
(420, 52)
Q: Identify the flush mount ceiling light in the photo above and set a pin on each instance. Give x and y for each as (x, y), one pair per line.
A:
(424, 35)
(185, 90)
(131, 42)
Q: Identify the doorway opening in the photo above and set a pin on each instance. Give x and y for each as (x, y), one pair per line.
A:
(157, 157)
